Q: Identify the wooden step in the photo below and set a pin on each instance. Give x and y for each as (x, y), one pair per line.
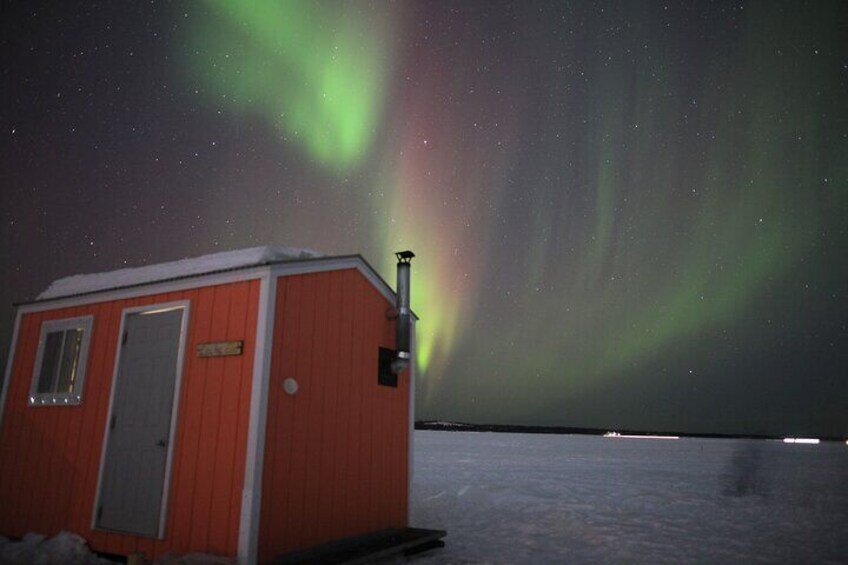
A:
(368, 547)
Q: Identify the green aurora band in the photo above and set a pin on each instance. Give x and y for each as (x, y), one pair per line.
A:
(314, 71)
(640, 287)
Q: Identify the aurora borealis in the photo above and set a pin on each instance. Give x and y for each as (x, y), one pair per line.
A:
(625, 215)
(313, 71)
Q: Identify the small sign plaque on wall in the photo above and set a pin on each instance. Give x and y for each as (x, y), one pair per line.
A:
(219, 348)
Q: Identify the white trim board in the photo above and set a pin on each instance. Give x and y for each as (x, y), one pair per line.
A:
(175, 413)
(411, 445)
(248, 540)
(10, 361)
(213, 279)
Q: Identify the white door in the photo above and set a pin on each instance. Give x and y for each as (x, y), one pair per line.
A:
(139, 426)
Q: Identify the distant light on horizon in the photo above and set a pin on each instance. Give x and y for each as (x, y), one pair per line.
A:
(806, 440)
(638, 436)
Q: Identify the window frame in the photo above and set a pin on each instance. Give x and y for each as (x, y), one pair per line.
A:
(73, 398)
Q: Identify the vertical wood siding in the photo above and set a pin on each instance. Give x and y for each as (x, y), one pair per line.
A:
(50, 456)
(336, 453)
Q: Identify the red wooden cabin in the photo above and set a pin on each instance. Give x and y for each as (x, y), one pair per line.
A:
(240, 404)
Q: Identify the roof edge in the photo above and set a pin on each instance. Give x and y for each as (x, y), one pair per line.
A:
(187, 277)
(378, 279)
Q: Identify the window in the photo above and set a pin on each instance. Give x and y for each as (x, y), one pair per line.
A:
(60, 362)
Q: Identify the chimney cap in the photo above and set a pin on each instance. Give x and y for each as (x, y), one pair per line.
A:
(404, 256)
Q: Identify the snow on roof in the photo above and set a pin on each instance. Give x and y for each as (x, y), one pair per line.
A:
(79, 284)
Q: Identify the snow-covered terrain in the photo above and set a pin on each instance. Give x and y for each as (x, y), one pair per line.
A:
(524, 498)
(528, 498)
(64, 548)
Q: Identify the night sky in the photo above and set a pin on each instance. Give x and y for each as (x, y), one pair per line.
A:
(626, 215)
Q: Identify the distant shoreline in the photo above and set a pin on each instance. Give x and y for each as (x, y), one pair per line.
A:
(564, 430)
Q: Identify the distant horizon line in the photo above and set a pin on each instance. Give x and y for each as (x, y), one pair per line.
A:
(451, 426)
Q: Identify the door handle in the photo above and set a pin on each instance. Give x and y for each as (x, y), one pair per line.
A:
(162, 443)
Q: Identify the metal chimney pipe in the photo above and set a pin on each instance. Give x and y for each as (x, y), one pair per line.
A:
(404, 312)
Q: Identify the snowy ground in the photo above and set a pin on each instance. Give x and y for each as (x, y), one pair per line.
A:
(66, 548)
(510, 498)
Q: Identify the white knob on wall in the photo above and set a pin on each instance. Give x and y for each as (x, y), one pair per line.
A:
(290, 386)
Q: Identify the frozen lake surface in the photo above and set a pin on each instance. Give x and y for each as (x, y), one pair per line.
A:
(527, 498)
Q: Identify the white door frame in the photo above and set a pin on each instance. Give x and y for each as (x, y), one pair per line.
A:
(185, 306)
